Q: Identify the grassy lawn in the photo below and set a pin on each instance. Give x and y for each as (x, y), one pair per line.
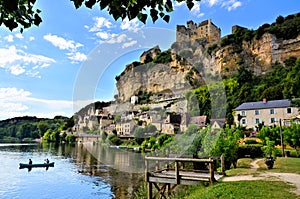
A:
(242, 189)
(283, 165)
(249, 189)
(243, 168)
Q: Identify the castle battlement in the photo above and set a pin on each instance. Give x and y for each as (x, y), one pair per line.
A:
(205, 29)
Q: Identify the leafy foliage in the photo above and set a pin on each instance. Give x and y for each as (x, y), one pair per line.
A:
(29, 128)
(15, 13)
(283, 82)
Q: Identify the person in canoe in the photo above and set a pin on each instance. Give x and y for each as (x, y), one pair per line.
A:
(30, 161)
(46, 161)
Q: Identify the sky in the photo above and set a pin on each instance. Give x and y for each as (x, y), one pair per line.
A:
(73, 57)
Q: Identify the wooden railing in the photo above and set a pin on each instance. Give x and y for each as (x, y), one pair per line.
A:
(173, 172)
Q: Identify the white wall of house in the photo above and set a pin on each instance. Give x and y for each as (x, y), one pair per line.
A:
(270, 116)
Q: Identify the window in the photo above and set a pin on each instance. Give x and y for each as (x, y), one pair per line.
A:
(243, 121)
(289, 110)
(256, 121)
(256, 112)
(272, 120)
(243, 113)
(272, 111)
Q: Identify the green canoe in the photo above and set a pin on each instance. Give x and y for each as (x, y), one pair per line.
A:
(22, 165)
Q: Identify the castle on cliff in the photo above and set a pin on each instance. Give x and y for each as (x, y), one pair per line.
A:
(205, 29)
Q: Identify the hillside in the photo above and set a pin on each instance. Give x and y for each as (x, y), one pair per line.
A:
(186, 63)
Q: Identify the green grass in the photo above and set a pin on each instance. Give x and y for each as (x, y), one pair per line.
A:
(286, 165)
(250, 189)
(243, 166)
(244, 163)
(244, 189)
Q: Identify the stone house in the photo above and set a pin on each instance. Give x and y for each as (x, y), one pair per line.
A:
(200, 121)
(171, 124)
(125, 128)
(250, 114)
(205, 29)
(217, 123)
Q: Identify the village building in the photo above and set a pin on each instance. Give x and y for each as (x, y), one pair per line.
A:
(251, 114)
(217, 123)
(125, 128)
(171, 124)
(205, 29)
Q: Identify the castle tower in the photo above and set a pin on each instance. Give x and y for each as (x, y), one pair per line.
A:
(205, 29)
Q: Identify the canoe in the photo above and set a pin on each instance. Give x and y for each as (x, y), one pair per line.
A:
(22, 165)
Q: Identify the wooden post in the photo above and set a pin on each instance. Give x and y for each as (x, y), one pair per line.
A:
(281, 138)
(149, 189)
(177, 177)
(146, 170)
(211, 171)
(222, 164)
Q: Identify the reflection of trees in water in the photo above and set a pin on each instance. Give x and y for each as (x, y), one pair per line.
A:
(123, 170)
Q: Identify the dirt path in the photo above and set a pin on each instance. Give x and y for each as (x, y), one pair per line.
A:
(271, 176)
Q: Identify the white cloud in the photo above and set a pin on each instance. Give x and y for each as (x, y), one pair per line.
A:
(62, 43)
(69, 45)
(99, 23)
(227, 4)
(231, 5)
(19, 36)
(35, 74)
(213, 2)
(77, 57)
(18, 102)
(178, 4)
(31, 38)
(128, 44)
(103, 35)
(9, 38)
(196, 9)
(16, 70)
(117, 39)
(132, 25)
(17, 61)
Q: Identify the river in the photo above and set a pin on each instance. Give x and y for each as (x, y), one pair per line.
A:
(87, 170)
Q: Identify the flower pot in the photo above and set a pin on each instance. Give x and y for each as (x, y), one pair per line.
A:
(269, 161)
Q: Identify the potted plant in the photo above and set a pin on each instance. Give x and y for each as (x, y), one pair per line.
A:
(270, 153)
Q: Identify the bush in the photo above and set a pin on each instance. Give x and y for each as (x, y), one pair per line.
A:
(116, 141)
(70, 138)
(254, 150)
(250, 141)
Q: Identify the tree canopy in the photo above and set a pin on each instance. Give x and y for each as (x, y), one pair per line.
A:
(21, 13)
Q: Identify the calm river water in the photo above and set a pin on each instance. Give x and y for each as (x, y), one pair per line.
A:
(85, 170)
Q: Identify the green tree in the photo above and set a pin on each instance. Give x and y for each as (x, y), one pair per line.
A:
(192, 129)
(139, 135)
(16, 13)
(150, 128)
(42, 127)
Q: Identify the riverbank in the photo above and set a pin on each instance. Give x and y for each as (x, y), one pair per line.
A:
(251, 179)
(254, 180)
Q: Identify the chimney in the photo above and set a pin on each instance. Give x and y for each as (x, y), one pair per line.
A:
(264, 100)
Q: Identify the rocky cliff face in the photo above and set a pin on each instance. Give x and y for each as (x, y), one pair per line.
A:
(258, 55)
(156, 78)
(172, 77)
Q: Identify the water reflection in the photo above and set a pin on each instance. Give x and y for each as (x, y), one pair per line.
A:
(121, 169)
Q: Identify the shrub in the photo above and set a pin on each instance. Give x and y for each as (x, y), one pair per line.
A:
(250, 141)
(254, 150)
(70, 138)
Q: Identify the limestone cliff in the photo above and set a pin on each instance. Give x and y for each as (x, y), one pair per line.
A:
(258, 55)
(190, 62)
(167, 78)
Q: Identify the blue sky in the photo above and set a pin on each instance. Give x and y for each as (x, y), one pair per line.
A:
(72, 58)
